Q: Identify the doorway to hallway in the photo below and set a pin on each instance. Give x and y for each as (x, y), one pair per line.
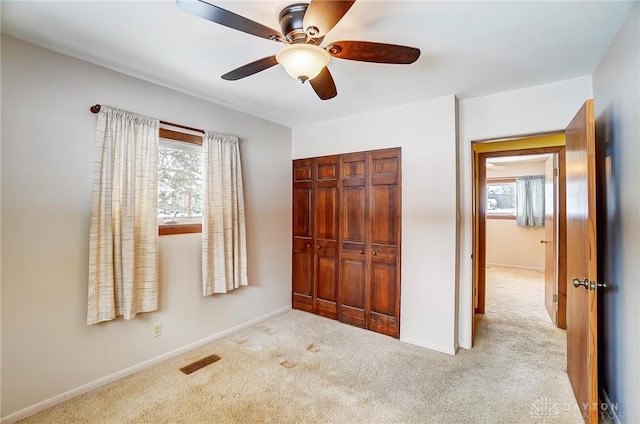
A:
(511, 149)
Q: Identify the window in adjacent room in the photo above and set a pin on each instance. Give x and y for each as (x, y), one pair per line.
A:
(179, 185)
(501, 198)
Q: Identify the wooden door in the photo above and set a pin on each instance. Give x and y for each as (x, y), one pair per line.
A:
(303, 251)
(326, 236)
(550, 240)
(353, 260)
(384, 233)
(582, 329)
(346, 238)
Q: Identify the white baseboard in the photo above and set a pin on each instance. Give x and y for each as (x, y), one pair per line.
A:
(516, 266)
(450, 350)
(55, 400)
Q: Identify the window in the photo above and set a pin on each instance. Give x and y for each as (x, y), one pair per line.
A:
(179, 183)
(501, 198)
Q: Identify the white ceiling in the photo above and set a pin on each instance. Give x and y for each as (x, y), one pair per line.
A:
(468, 49)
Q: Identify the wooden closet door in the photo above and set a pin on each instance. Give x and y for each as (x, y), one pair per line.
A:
(346, 238)
(353, 260)
(303, 252)
(384, 273)
(326, 237)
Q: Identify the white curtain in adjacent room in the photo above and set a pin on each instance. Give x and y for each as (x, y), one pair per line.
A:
(224, 251)
(530, 201)
(123, 255)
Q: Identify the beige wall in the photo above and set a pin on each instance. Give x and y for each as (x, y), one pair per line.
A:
(506, 243)
(47, 161)
(510, 245)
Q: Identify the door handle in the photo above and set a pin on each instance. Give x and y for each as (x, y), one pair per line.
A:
(589, 285)
(577, 283)
(545, 241)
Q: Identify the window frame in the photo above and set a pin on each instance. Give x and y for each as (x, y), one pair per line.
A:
(171, 229)
(495, 181)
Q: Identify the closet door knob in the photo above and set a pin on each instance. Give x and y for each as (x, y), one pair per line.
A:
(308, 245)
(362, 252)
(374, 253)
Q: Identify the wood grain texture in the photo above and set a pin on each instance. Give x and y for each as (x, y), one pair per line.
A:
(168, 229)
(582, 342)
(562, 241)
(346, 251)
(550, 239)
(326, 209)
(366, 51)
(250, 68)
(302, 229)
(324, 85)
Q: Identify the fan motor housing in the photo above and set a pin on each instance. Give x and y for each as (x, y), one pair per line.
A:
(291, 22)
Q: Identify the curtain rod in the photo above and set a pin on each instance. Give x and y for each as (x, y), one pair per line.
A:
(96, 108)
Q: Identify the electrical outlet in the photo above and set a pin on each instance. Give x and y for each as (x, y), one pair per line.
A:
(157, 329)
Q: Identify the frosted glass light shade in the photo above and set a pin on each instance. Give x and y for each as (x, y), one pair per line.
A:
(303, 61)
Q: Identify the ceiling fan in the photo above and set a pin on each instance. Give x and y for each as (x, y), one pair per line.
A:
(304, 27)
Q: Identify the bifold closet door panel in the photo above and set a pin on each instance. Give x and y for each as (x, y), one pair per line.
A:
(352, 287)
(384, 197)
(303, 245)
(302, 275)
(385, 291)
(353, 262)
(326, 236)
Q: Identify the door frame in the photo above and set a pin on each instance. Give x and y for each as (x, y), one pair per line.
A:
(540, 143)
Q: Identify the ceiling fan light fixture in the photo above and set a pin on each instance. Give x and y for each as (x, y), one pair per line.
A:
(303, 61)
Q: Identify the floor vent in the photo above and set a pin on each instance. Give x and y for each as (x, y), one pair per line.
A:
(200, 364)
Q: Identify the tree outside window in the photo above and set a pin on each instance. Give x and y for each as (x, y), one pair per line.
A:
(179, 181)
(501, 197)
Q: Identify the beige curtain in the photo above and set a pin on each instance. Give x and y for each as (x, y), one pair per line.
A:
(123, 255)
(224, 251)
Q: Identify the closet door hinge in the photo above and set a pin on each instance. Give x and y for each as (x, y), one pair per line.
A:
(555, 298)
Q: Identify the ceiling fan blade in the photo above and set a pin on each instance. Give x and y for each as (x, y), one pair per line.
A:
(323, 85)
(250, 68)
(365, 51)
(322, 15)
(229, 19)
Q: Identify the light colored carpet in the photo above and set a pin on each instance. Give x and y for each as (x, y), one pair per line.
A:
(302, 368)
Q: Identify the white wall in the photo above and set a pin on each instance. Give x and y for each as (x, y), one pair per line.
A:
(426, 131)
(537, 109)
(616, 87)
(47, 159)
